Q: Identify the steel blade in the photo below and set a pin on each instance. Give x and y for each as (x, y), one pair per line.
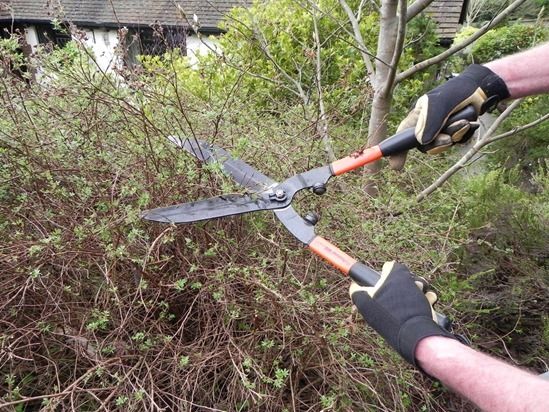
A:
(240, 171)
(296, 225)
(215, 207)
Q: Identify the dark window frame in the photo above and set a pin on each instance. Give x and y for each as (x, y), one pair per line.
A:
(48, 35)
(154, 40)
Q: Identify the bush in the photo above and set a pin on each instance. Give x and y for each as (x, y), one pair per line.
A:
(497, 43)
(505, 263)
(231, 313)
(506, 40)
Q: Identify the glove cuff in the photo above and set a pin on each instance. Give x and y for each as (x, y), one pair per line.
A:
(493, 86)
(415, 330)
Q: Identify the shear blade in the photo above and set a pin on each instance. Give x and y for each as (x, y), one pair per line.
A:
(215, 207)
(241, 172)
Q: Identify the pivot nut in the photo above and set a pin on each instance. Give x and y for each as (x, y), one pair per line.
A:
(319, 188)
(312, 218)
(280, 195)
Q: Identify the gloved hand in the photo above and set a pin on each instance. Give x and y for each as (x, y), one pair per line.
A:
(477, 86)
(400, 308)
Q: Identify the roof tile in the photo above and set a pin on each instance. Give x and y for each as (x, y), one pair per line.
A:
(447, 14)
(121, 12)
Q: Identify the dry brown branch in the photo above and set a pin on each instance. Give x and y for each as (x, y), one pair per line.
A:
(461, 163)
(67, 391)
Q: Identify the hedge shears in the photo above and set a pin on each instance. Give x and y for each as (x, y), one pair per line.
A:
(267, 194)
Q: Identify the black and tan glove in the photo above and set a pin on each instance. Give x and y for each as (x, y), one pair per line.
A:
(477, 86)
(400, 308)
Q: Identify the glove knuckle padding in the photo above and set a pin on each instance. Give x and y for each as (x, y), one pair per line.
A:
(451, 97)
(438, 145)
(399, 311)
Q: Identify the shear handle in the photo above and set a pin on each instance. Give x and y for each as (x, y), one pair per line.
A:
(398, 143)
(406, 139)
(362, 274)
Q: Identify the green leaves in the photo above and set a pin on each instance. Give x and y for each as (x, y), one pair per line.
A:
(98, 320)
(280, 377)
(184, 361)
(506, 40)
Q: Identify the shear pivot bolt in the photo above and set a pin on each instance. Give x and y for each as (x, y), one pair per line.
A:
(280, 194)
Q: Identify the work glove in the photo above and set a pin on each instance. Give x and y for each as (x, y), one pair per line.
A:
(400, 308)
(477, 86)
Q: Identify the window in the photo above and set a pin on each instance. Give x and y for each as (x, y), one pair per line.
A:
(47, 34)
(154, 41)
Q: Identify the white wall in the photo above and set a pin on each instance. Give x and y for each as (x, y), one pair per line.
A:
(197, 46)
(31, 36)
(103, 43)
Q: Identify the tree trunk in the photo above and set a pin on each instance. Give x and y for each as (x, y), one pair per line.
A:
(381, 104)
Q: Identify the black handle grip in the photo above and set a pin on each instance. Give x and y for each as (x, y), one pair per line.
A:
(364, 275)
(406, 139)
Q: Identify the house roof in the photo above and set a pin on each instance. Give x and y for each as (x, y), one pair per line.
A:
(449, 14)
(119, 13)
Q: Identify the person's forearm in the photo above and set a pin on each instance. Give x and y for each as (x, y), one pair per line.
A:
(526, 73)
(492, 385)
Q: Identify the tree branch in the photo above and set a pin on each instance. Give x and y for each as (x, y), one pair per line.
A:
(267, 53)
(263, 46)
(359, 39)
(518, 129)
(399, 44)
(381, 104)
(483, 141)
(322, 125)
(416, 7)
(454, 49)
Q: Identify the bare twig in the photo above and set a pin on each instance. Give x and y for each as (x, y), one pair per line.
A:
(518, 129)
(359, 39)
(461, 163)
(454, 49)
(322, 126)
(65, 392)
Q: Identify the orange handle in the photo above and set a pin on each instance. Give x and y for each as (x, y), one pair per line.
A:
(356, 160)
(359, 272)
(336, 257)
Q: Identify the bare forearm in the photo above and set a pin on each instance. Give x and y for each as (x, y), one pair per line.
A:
(489, 383)
(526, 73)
